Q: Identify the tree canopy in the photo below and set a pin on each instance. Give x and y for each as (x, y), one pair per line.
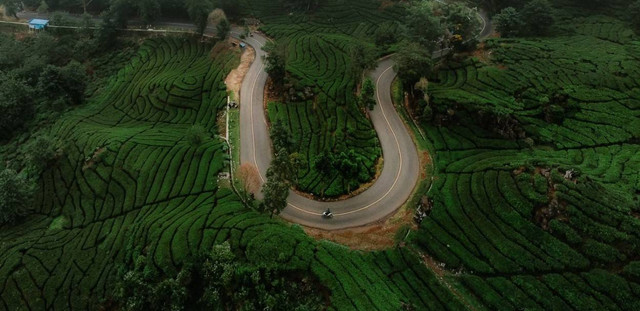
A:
(16, 195)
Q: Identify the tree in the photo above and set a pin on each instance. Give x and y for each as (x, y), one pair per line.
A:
(464, 25)
(196, 135)
(423, 27)
(249, 178)
(149, 10)
(198, 11)
(508, 22)
(11, 7)
(423, 86)
(367, 94)
(223, 29)
(282, 163)
(347, 165)
(41, 152)
(67, 83)
(297, 161)
(634, 14)
(120, 11)
(280, 137)
(275, 191)
(85, 4)
(16, 195)
(43, 8)
(361, 59)
(324, 162)
(107, 33)
(538, 16)
(16, 106)
(412, 63)
(386, 34)
(275, 60)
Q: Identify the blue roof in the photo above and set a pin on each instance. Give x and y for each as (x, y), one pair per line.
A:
(42, 22)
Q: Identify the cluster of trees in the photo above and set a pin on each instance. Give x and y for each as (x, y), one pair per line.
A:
(430, 27)
(285, 165)
(216, 280)
(367, 94)
(276, 62)
(346, 163)
(535, 18)
(16, 194)
(39, 77)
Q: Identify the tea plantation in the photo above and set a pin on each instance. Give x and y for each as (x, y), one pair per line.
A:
(129, 184)
(318, 53)
(549, 217)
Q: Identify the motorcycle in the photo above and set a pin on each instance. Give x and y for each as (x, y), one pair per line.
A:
(327, 214)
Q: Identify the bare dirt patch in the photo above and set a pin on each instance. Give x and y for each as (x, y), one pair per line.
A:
(482, 54)
(377, 236)
(95, 158)
(236, 76)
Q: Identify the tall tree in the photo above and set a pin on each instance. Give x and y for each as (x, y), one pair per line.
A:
(16, 195)
(16, 106)
(362, 59)
(413, 62)
(464, 24)
(423, 26)
(367, 94)
(276, 60)
(508, 22)
(148, 10)
(275, 191)
(538, 15)
(223, 29)
(198, 11)
(281, 137)
(121, 11)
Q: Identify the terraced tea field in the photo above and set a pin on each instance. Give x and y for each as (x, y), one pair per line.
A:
(128, 179)
(130, 184)
(318, 56)
(523, 232)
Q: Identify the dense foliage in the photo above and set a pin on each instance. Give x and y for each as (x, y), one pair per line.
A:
(216, 280)
(40, 76)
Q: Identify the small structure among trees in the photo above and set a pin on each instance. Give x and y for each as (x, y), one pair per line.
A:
(37, 24)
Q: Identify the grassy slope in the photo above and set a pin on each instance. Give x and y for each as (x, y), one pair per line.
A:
(488, 190)
(318, 56)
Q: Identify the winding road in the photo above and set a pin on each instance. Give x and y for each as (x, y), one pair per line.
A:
(401, 163)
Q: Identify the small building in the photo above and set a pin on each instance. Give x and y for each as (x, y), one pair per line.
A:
(38, 24)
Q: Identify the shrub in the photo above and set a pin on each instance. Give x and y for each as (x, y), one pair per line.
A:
(196, 135)
(16, 195)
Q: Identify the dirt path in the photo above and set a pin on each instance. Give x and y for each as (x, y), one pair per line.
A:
(236, 76)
